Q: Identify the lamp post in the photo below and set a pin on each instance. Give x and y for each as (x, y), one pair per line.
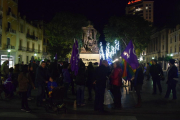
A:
(9, 52)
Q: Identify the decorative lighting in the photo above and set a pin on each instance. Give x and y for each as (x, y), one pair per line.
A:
(112, 50)
(141, 59)
(108, 53)
(101, 52)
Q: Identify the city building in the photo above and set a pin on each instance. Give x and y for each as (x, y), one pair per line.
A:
(142, 8)
(29, 42)
(20, 41)
(9, 28)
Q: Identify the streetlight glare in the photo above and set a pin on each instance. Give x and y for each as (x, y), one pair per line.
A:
(9, 50)
(35, 54)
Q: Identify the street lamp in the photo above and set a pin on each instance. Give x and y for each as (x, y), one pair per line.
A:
(171, 55)
(9, 51)
(35, 54)
(152, 57)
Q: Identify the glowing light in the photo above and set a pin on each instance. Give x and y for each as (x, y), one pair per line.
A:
(9, 50)
(101, 52)
(113, 50)
(152, 57)
(171, 54)
(141, 59)
(131, 2)
(108, 53)
(116, 44)
(35, 54)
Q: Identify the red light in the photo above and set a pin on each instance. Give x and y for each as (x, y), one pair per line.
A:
(131, 2)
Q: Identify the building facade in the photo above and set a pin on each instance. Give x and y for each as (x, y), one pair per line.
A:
(20, 41)
(29, 42)
(9, 28)
(142, 8)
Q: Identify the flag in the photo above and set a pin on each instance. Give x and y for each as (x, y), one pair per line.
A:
(128, 72)
(150, 63)
(130, 56)
(75, 58)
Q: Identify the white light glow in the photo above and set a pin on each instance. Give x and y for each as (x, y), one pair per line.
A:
(152, 57)
(171, 54)
(141, 59)
(101, 52)
(146, 8)
(35, 54)
(9, 50)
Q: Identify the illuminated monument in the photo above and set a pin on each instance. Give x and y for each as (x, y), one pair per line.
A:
(89, 50)
(142, 8)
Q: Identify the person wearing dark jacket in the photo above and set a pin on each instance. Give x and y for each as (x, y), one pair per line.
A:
(66, 78)
(156, 72)
(100, 80)
(80, 83)
(172, 79)
(24, 79)
(116, 81)
(138, 82)
(41, 80)
(90, 76)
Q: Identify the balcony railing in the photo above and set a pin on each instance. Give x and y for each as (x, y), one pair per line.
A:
(10, 47)
(31, 37)
(12, 15)
(22, 48)
(10, 30)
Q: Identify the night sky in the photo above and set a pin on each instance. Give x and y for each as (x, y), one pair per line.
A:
(97, 11)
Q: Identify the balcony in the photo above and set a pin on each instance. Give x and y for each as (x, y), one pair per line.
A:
(10, 47)
(11, 16)
(44, 43)
(32, 37)
(11, 31)
(22, 48)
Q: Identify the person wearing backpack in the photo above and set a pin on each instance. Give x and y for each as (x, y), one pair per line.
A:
(80, 83)
(24, 79)
(116, 81)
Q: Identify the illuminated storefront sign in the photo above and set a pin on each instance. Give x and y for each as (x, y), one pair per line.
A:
(131, 2)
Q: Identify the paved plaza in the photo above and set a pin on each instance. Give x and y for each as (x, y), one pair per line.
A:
(154, 107)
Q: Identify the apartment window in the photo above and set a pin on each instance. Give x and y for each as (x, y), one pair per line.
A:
(9, 25)
(149, 4)
(146, 4)
(171, 40)
(33, 47)
(8, 41)
(9, 9)
(20, 44)
(163, 47)
(175, 49)
(149, 14)
(43, 49)
(149, 17)
(21, 28)
(146, 17)
(170, 49)
(27, 46)
(175, 38)
(149, 7)
(27, 59)
(146, 11)
(149, 10)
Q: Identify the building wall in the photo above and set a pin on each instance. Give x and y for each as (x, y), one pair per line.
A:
(142, 8)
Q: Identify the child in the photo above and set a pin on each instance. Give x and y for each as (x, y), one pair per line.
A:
(51, 85)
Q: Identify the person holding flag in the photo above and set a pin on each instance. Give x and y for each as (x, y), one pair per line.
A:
(130, 64)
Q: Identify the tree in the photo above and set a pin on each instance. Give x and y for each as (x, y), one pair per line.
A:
(61, 32)
(128, 28)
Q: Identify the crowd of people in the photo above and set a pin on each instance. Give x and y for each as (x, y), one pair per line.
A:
(48, 75)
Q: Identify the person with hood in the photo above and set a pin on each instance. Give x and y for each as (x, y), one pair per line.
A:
(66, 78)
(24, 79)
(172, 79)
(116, 81)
